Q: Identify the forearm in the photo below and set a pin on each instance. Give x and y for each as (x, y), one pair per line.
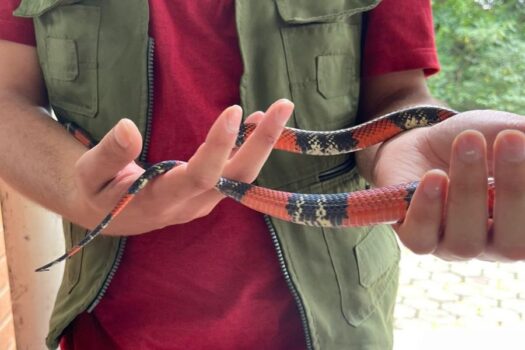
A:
(378, 99)
(38, 156)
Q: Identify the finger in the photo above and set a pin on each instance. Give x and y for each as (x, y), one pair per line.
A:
(205, 167)
(509, 209)
(98, 166)
(252, 155)
(421, 228)
(465, 232)
(254, 118)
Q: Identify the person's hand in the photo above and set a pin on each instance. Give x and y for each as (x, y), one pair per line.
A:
(448, 215)
(103, 174)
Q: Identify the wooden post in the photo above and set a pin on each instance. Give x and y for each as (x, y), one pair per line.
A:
(33, 236)
(7, 330)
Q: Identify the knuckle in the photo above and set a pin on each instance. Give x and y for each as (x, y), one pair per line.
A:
(420, 243)
(203, 182)
(159, 213)
(78, 167)
(265, 137)
(109, 147)
(220, 142)
(79, 171)
(269, 139)
(247, 175)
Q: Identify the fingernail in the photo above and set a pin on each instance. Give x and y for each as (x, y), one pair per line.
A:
(234, 119)
(470, 148)
(433, 187)
(513, 147)
(283, 113)
(121, 133)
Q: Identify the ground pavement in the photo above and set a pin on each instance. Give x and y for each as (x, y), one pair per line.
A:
(468, 305)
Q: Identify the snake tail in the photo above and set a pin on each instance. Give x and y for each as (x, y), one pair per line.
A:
(151, 173)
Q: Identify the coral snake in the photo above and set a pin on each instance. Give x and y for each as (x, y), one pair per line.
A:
(360, 208)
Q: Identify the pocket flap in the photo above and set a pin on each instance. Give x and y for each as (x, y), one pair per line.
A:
(32, 8)
(64, 65)
(305, 11)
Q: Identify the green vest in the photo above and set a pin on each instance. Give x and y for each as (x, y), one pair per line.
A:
(96, 58)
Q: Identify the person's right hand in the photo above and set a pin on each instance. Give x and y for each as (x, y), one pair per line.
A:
(104, 173)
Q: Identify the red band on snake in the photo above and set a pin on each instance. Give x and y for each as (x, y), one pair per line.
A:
(361, 208)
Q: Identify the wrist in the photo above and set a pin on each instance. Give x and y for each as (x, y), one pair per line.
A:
(366, 160)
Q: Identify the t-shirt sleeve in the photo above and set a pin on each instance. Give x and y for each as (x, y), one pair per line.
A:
(400, 36)
(13, 28)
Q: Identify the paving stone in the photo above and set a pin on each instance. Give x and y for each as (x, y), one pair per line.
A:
(436, 294)
(422, 303)
(443, 295)
(501, 292)
(502, 315)
(462, 309)
(411, 291)
(434, 264)
(405, 311)
(520, 270)
(477, 322)
(404, 279)
(423, 286)
(481, 280)
(465, 289)
(468, 269)
(410, 274)
(498, 271)
(478, 302)
(439, 318)
(446, 278)
(412, 324)
(515, 304)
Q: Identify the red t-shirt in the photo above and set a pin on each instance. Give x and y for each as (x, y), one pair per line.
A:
(214, 282)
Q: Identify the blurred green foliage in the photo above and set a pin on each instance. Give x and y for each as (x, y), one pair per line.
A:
(481, 46)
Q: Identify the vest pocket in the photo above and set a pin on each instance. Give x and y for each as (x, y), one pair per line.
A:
(365, 260)
(365, 274)
(71, 83)
(330, 69)
(68, 53)
(322, 45)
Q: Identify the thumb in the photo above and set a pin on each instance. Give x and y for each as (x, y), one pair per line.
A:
(119, 147)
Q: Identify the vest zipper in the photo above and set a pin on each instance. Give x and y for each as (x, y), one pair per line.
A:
(289, 282)
(142, 159)
(122, 243)
(111, 274)
(149, 111)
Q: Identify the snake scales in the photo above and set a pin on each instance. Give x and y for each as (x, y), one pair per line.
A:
(360, 208)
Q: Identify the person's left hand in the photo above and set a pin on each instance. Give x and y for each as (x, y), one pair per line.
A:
(448, 215)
